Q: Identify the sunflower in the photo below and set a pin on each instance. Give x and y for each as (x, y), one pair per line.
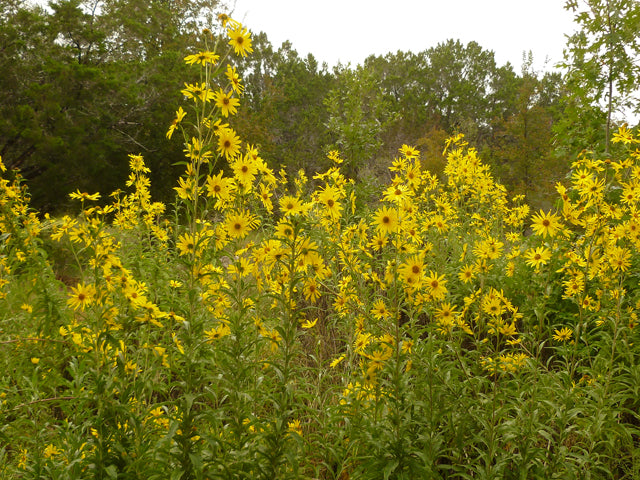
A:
(226, 103)
(217, 333)
(240, 40)
(234, 79)
(239, 224)
(196, 91)
(219, 188)
(201, 58)
(310, 290)
(386, 220)
(467, 273)
(186, 244)
(265, 197)
(536, 257)
(284, 230)
(396, 193)
(380, 310)
(245, 170)
(619, 259)
(436, 283)
(329, 198)
(562, 335)
(197, 151)
(445, 316)
(290, 205)
(411, 271)
(409, 152)
(378, 241)
(82, 296)
(228, 143)
(546, 224)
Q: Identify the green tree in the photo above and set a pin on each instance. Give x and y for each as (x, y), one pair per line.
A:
(460, 81)
(284, 112)
(603, 62)
(521, 149)
(358, 114)
(87, 82)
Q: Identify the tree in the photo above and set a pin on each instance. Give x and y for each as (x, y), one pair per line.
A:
(521, 149)
(87, 82)
(284, 112)
(460, 80)
(358, 114)
(603, 59)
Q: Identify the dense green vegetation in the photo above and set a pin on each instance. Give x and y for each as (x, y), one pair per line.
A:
(425, 266)
(86, 82)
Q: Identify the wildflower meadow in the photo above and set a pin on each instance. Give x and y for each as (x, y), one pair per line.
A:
(275, 326)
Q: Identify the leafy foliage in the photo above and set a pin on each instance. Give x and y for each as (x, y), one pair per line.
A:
(263, 326)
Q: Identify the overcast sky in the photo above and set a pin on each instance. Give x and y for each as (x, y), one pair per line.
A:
(348, 31)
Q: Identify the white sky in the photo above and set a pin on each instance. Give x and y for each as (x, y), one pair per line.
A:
(350, 30)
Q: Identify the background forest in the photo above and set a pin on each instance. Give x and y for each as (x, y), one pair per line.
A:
(86, 82)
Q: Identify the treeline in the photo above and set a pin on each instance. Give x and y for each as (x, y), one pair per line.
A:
(84, 83)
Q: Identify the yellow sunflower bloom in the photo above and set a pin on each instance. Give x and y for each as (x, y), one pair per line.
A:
(240, 40)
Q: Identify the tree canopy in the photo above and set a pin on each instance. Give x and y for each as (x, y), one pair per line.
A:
(87, 82)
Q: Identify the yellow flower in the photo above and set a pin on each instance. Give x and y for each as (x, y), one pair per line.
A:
(329, 198)
(396, 193)
(226, 103)
(219, 188)
(536, 257)
(386, 220)
(380, 310)
(136, 163)
(309, 323)
(334, 156)
(492, 305)
(619, 259)
(78, 195)
(226, 19)
(195, 91)
(409, 152)
(310, 290)
(51, 451)
(378, 241)
(218, 332)
(234, 79)
(546, 224)
(202, 58)
(240, 40)
(623, 135)
(290, 205)
(411, 271)
(245, 170)
(22, 460)
(467, 273)
(336, 361)
(82, 295)
(562, 335)
(361, 342)
(239, 224)
(197, 151)
(436, 286)
(445, 316)
(284, 230)
(294, 427)
(265, 197)
(228, 143)
(186, 244)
